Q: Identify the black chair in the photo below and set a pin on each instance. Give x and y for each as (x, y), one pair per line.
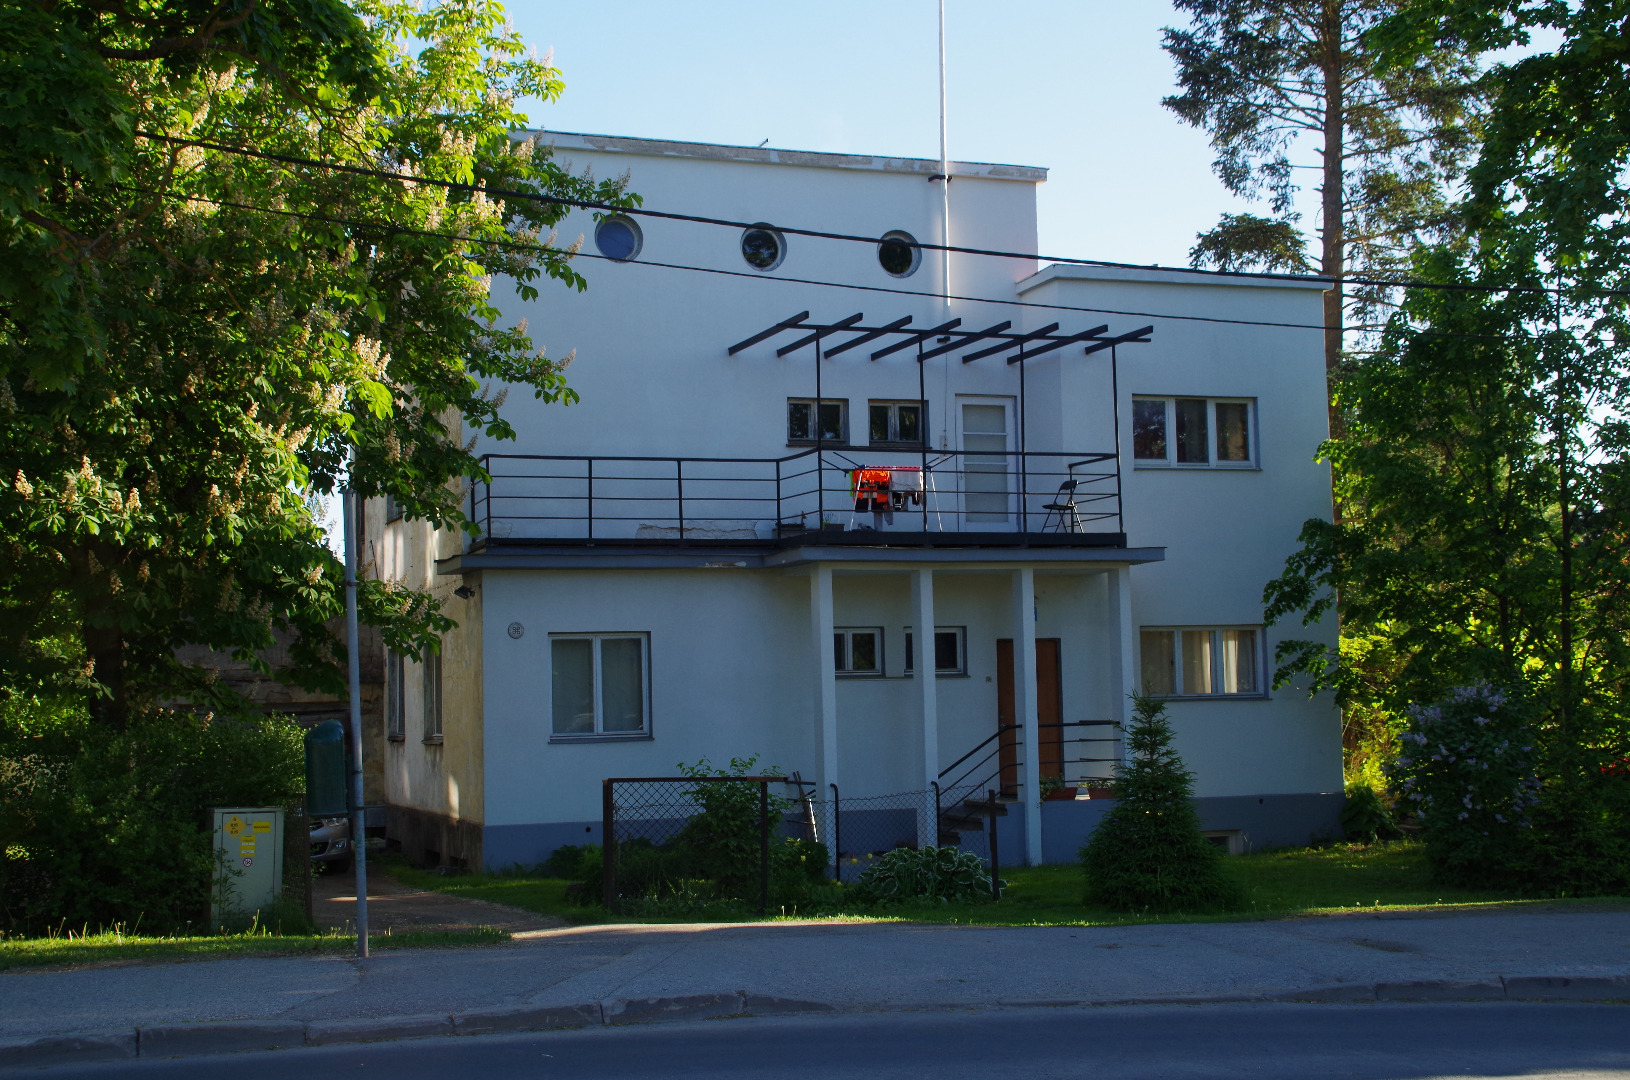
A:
(1062, 515)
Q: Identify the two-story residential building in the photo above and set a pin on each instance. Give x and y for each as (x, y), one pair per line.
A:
(799, 474)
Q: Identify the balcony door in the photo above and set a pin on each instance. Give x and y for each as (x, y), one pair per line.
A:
(987, 463)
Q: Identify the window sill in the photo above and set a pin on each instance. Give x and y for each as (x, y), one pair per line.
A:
(940, 675)
(396, 736)
(1211, 697)
(432, 740)
(631, 736)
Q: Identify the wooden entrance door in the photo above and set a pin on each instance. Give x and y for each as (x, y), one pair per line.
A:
(1049, 711)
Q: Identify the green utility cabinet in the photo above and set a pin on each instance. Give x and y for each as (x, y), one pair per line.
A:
(248, 862)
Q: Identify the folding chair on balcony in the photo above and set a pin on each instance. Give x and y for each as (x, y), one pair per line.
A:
(1062, 515)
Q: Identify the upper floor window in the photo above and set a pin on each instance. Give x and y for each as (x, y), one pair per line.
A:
(896, 423)
(763, 247)
(1215, 432)
(829, 417)
(599, 684)
(619, 237)
(395, 690)
(898, 254)
(1201, 661)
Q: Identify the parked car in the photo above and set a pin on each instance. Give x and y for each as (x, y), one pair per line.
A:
(331, 844)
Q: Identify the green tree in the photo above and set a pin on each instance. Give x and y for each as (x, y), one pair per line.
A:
(1266, 78)
(1148, 854)
(1485, 463)
(198, 329)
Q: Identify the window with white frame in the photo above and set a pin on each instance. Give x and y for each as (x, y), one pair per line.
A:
(895, 423)
(600, 685)
(1194, 432)
(1201, 661)
(828, 417)
(395, 687)
(430, 669)
(950, 652)
(858, 650)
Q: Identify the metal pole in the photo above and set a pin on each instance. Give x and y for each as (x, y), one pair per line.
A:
(353, 663)
(837, 837)
(1024, 477)
(1115, 395)
(945, 179)
(763, 847)
(935, 785)
(608, 846)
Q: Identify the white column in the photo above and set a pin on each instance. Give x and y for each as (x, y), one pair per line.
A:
(922, 614)
(1024, 706)
(826, 692)
(1118, 590)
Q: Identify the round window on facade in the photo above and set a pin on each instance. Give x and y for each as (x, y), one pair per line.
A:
(763, 247)
(898, 253)
(618, 238)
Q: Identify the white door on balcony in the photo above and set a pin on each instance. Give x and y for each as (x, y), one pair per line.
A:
(987, 462)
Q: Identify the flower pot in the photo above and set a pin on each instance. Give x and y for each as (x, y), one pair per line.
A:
(1100, 793)
(1063, 794)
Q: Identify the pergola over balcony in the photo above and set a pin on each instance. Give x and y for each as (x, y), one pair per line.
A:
(836, 494)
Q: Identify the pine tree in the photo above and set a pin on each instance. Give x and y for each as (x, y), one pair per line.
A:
(1147, 854)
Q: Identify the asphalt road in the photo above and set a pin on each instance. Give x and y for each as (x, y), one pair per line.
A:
(1262, 1042)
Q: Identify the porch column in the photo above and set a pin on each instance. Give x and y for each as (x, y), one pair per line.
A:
(826, 696)
(1118, 589)
(922, 614)
(1024, 706)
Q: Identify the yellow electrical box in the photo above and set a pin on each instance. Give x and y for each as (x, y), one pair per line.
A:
(248, 862)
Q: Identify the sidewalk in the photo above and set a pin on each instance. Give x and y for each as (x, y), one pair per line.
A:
(626, 974)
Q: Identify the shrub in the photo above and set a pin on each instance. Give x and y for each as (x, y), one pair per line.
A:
(565, 860)
(941, 874)
(105, 827)
(723, 837)
(1467, 773)
(1365, 817)
(1147, 854)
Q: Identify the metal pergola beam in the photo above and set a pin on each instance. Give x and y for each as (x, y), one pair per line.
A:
(1010, 343)
(916, 339)
(1056, 343)
(967, 339)
(870, 335)
(841, 324)
(784, 324)
(1140, 336)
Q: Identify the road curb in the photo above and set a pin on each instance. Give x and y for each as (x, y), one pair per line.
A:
(185, 1040)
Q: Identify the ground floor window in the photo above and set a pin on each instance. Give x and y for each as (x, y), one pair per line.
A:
(600, 684)
(1203, 661)
(858, 650)
(395, 686)
(950, 650)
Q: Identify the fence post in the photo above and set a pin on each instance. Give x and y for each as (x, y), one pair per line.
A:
(763, 847)
(995, 864)
(837, 838)
(608, 846)
(936, 786)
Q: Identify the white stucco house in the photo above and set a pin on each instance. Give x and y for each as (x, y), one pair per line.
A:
(792, 452)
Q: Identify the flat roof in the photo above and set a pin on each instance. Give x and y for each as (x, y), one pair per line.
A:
(766, 155)
(1168, 275)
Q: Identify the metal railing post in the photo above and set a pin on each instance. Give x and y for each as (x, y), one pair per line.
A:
(591, 497)
(995, 863)
(763, 847)
(679, 484)
(608, 846)
(935, 785)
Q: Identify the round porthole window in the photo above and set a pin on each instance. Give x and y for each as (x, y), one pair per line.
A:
(763, 247)
(618, 238)
(898, 253)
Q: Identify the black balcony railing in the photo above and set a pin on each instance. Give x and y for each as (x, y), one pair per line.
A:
(852, 495)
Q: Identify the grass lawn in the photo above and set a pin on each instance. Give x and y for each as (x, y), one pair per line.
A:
(115, 947)
(1276, 885)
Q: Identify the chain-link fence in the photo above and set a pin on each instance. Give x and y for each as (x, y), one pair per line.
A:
(864, 828)
(698, 839)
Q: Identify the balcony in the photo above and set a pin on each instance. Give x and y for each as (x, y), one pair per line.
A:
(848, 496)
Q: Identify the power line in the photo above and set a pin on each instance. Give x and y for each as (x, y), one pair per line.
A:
(753, 276)
(555, 200)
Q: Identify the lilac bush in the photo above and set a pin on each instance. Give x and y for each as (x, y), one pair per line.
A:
(1466, 772)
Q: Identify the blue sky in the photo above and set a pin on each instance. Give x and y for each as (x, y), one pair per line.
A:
(1074, 85)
